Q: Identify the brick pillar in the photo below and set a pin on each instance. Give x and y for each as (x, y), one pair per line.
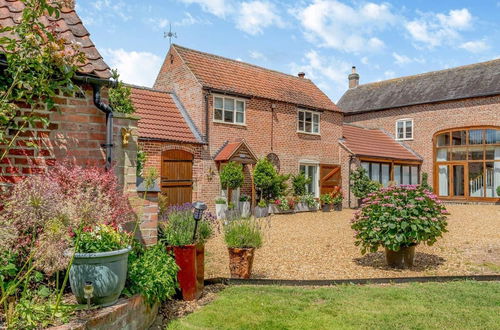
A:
(147, 211)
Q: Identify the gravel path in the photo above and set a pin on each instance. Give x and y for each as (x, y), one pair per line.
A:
(321, 246)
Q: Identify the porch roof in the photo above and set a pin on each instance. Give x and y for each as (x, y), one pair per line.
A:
(236, 151)
(376, 143)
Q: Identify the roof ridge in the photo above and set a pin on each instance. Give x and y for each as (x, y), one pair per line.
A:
(388, 81)
(240, 62)
(151, 89)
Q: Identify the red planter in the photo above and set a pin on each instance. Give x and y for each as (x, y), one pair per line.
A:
(190, 259)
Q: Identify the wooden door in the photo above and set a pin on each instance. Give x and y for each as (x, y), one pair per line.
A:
(177, 176)
(329, 178)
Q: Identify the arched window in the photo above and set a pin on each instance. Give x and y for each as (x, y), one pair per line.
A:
(467, 162)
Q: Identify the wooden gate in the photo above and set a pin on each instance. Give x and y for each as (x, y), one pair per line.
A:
(177, 176)
(329, 178)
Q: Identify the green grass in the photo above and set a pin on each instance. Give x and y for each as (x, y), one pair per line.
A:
(455, 305)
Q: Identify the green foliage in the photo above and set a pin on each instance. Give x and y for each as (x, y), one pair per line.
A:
(244, 198)
(309, 200)
(141, 160)
(361, 185)
(243, 233)
(399, 216)
(299, 183)
(153, 274)
(425, 183)
(268, 183)
(39, 67)
(283, 203)
(119, 96)
(262, 203)
(179, 228)
(101, 238)
(220, 200)
(231, 176)
(326, 199)
(498, 191)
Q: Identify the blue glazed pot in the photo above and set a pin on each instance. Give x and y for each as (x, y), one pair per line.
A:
(107, 271)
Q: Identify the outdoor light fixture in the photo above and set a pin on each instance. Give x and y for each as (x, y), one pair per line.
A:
(88, 292)
(199, 208)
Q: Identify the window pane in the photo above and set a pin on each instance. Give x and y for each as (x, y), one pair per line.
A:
(308, 127)
(475, 136)
(366, 166)
(476, 153)
(476, 180)
(315, 123)
(228, 116)
(458, 180)
(301, 115)
(492, 178)
(301, 126)
(443, 140)
(228, 104)
(239, 117)
(397, 174)
(458, 138)
(492, 152)
(492, 136)
(308, 117)
(218, 114)
(414, 175)
(240, 106)
(375, 172)
(443, 180)
(406, 174)
(442, 154)
(409, 129)
(400, 130)
(385, 174)
(458, 154)
(218, 103)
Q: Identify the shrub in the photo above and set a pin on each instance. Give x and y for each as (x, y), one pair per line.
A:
(498, 191)
(179, 228)
(268, 183)
(425, 184)
(220, 200)
(399, 216)
(309, 200)
(244, 198)
(361, 184)
(243, 233)
(101, 238)
(119, 96)
(299, 183)
(231, 176)
(153, 274)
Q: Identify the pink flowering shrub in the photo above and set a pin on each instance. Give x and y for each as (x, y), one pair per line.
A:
(401, 216)
(43, 212)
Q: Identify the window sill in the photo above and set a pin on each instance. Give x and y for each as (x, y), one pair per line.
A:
(226, 123)
(306, 133)
(405, 139)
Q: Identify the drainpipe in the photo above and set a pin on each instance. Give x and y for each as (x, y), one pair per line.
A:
(349, 188)
(108, 110)
(206, 116)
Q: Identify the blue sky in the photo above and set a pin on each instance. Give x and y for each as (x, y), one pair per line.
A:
(323, 38)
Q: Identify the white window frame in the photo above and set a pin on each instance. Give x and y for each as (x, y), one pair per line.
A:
(234, 122)
(312, 122)
(404, 121)
(306, 162)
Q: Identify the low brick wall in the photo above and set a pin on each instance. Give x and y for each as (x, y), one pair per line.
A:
(128, 314)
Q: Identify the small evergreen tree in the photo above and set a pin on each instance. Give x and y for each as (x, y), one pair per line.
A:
(425, 183)
(231, 177)
(299, 183)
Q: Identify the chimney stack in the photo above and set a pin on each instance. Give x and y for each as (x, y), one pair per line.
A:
(301, 74)
(353, 78)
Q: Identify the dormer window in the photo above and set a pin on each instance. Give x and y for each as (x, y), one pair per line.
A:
(308, 122)
(404, 129)
(229, 110)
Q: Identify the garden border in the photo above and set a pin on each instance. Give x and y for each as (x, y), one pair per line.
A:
(394, 280)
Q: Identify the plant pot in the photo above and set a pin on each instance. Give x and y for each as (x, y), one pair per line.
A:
(240, 262)
(107, 271)
(245, 209)
(326, 207)
(337, 207)
(274, 209)
(260, 212)
(190, 259)
(301, 207)
(360, 201)
(403, 258)
(220, 211)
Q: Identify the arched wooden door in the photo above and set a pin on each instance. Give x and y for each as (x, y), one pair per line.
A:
(177, 176)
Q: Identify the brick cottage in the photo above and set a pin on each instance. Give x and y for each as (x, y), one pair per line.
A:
(450, 119)
(206, 110)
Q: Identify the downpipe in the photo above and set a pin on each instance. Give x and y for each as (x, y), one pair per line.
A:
(108, 110)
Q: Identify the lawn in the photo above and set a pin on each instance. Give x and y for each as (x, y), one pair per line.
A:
(455, 305)
(321, 246)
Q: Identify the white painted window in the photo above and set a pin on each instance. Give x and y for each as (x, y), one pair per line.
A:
(312, 172)
(308, 122)
(404, 129)
(229, 110)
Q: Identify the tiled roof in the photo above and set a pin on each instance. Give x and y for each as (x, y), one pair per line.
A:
(71, 30)
(233, 76)
(229, 149)
(376, 143)
(479, 79)
(161, 117)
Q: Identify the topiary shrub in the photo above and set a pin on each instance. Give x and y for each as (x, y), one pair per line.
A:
(361, 185)
(425, 184)
(231, 177)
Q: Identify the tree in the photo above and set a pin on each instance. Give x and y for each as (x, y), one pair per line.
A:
(361, 184)
(231, 177)
(119, 96)
(299, 183)
(268, 183)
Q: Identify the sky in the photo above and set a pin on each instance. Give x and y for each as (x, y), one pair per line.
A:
(322, 38)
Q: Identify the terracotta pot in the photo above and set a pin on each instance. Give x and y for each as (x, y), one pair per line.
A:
(190, 259)
(240, 262)
(403, 258)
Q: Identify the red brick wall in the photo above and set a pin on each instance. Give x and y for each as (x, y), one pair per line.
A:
(431, 118)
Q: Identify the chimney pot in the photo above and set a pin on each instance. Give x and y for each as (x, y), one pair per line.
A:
(301, 74)
(353, 78)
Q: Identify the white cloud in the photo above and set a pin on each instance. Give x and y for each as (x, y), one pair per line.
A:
(218, 8)
(257, 55)
(477, 46)
(190, 20)
(364, 60)
(433, 30)
(403, 59)
(254, 16)
(389, 74)
(138, 68)
(352, 29)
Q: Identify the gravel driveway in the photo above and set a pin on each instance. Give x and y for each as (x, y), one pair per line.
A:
(321, 246)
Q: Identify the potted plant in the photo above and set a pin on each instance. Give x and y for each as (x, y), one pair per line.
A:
(326, 202)
(399, 218)
(177, 234)
(282, 204)
(242, 237)
(310, 202)
(232, 178)
(268, 183)
(338, 197)
(361, 185)
(262, 209)
(245, 206)
(299, 183)
(99, 264)
(220, 208)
